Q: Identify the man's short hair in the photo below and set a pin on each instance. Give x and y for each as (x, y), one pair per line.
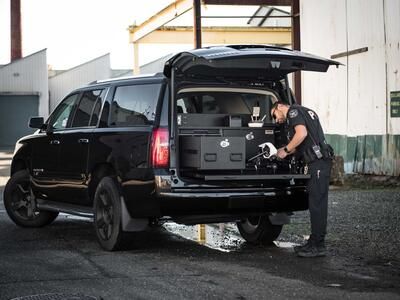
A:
(275, 104)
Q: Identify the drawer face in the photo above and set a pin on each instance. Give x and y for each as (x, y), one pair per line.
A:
(213, 153)
(219, 153)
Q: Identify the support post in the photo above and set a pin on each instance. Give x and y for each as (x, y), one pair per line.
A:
(296, 46)
(197, 23)
(136, 67)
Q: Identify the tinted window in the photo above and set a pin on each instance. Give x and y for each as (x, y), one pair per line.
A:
(86, 108)
(224, 103)
(134, 105)
(61, 115)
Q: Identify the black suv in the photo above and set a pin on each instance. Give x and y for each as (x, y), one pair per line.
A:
(194, 145)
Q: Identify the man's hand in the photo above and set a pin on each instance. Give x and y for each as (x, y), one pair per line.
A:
(281, 153)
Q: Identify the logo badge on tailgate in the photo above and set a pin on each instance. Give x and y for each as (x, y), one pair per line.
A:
(225, 143)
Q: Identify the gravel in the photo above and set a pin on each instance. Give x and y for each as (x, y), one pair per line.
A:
(362, 224)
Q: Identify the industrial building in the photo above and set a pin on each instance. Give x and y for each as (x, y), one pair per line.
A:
(359, 102)
(23, 93)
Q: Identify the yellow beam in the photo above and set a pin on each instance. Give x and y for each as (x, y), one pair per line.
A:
(220, 35)
(166, 15)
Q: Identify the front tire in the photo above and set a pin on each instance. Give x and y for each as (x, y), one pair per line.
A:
(259, 230)
(107, 216)
(19, 202)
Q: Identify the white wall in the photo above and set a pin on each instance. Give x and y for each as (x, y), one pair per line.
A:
(353, 100)
(62, 84)
(323, 32)
(392, 30)
(356, 98)
(28, 75)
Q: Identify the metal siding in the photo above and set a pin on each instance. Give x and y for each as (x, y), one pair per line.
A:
(323, 32)
(356, 97)
(63, 83)
(392, 24)
(28, 75)
(15, 111)
(367, 85)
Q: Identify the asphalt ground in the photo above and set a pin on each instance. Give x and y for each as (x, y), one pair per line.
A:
(64, 257)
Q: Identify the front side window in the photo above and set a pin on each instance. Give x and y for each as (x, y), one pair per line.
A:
(88, 108)
(62, 114)
(135, 104)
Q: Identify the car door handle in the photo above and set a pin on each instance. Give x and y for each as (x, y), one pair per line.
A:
(83, 141)
(54, 142)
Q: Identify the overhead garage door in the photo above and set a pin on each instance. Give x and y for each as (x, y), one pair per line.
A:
(15, 111)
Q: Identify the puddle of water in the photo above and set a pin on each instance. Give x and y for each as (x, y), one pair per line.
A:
(223, 237)
(285, 245)
(220, 237)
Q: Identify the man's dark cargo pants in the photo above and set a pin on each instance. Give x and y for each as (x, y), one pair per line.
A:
(318, 187)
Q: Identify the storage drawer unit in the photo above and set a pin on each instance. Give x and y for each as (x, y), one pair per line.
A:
(213, 153)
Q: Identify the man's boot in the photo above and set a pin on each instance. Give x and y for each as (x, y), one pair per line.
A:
(312, 249)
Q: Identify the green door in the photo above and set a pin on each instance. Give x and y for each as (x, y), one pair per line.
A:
(15, 111)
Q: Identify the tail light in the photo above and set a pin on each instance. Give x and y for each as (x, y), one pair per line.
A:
(160, 148)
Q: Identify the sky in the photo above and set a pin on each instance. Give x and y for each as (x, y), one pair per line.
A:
(76, 31)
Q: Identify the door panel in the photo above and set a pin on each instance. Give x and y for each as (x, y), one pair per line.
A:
(75, 149)
(46, 151)
(73, 166)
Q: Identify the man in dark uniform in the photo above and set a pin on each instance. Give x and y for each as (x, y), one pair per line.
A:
(307, 142)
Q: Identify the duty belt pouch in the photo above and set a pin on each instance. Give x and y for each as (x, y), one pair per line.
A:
(317, 151)
(327, 150)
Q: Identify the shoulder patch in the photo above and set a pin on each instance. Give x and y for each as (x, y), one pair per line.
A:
(293, 113)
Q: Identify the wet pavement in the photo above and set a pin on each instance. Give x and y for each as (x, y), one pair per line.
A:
(177, 262)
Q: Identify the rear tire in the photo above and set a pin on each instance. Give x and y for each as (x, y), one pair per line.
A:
(20, 205)
(259, 230)
(107, 216)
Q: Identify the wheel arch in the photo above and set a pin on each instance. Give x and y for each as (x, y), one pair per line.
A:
(98, 173)
(18, 164)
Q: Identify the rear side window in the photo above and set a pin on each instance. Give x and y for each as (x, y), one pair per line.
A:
(135, 104)
(87, 113)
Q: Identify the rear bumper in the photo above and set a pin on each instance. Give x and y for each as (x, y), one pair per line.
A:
(232, 203)
(169, 198)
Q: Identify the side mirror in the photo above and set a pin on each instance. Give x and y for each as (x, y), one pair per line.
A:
(36, 122)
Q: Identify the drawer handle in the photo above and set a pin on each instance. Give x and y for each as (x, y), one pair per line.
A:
(210, 157)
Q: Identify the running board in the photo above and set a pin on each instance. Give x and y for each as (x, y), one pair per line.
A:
(77, 210)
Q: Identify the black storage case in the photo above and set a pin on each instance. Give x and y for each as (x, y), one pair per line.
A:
(213, 153)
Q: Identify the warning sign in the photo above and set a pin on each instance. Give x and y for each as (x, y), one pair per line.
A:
(395, 104)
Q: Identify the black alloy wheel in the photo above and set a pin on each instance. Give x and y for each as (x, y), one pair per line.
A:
(20, 203)
(107, 216)
(259, 230)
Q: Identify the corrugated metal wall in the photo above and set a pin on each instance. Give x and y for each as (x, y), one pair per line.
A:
(62, 84)
(354, 100)
(27, 75)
